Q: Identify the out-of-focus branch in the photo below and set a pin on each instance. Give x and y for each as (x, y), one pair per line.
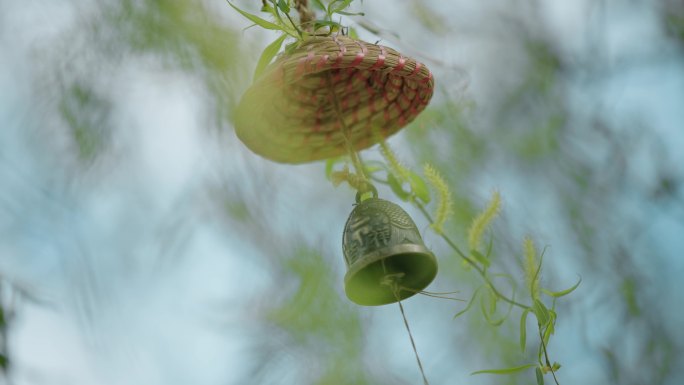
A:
(306, 16)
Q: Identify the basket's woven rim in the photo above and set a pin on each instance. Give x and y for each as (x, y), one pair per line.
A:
(299, 110)
(323, 53)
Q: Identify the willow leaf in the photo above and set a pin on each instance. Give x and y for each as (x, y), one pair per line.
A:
(541, 312)
(257, 20)
(504, 371)
(540, 376)
(419, 187)
(267, 56)
(523, 329)
(472, 299)
(558, 294)
(397, 188)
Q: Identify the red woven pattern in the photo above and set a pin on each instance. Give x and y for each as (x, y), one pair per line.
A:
(301, 108)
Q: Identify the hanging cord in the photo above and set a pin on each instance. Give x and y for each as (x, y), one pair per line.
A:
(391, 281)
(413, 344)
(359, 180)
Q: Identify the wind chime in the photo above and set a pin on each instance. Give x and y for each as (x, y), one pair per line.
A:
(333, 96)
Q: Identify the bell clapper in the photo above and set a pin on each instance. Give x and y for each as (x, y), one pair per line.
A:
(391, 280)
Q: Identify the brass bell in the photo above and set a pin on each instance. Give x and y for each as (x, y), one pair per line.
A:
(386, 258)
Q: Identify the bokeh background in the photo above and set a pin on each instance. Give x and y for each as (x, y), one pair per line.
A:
(142, 243)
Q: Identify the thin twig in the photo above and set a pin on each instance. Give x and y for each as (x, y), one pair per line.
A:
(546, 357)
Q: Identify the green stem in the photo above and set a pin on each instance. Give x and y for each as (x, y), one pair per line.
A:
(546, 357)
(294, 25)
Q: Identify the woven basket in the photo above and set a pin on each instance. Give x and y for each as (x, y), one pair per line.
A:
(304, 104)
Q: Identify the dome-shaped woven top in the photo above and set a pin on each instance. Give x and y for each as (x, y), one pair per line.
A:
(300, 108)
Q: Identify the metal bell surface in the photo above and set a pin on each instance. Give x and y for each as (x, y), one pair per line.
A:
(386, 258)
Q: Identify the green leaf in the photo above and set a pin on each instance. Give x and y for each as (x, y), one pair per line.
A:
(550, 329)
(541, 312)
(558, 294)
(373, 166)
(284, 6)
(504, 371)
(353, 34)
(343, 4)
(327, 23)
(267, 56)
(540, 376)
(480, 258)
(396, 187)
(319, 4)
(493, 299)
(370, 169)
(330, 164)
(472, 299)
(523, 329)
(418, 187)
(292, 46)
(257, 20)
(267, 8)
(351, 13)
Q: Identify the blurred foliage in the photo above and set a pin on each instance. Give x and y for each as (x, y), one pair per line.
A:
(87, 115)
(6, 319)
(189, 33)
(531, 132)
(673, 18)
(317, 319)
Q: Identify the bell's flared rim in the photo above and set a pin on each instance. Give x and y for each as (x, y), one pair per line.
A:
(364, 280)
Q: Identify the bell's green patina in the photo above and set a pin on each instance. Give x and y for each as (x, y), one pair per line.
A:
(386, 258)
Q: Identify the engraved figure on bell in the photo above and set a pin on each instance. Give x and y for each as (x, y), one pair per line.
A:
(367, 230)
(379, 230)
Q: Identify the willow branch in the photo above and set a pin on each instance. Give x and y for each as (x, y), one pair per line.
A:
(469, 260)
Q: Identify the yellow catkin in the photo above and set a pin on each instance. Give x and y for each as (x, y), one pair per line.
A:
(530, 267)
(445, 204)
(482, 221)
(396, 167)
